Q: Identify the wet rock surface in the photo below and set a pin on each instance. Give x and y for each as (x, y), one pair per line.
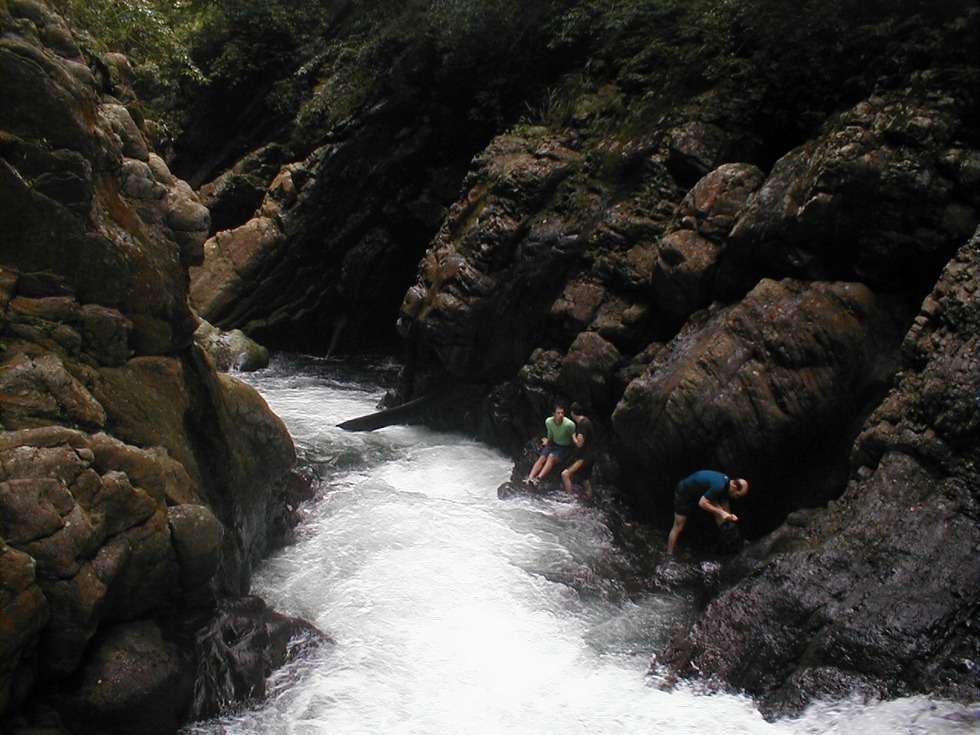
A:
(794, 302)
(878, 593)
(137, 486)
(753, 323)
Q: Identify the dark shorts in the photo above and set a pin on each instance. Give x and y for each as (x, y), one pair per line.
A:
(585, 471)
(685, 502)
(557, 450)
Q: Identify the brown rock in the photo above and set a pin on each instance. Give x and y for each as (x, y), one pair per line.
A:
(23, 614)
(105, 334)
(130, 140)
(229, 259)
(712, 206)
(197, 536)
(588, 368)
(41, 388)
(854, 206)
(761, 389)
(31, 509)
(136, 681)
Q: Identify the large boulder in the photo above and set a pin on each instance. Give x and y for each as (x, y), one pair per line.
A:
(769, 389)
(884, 197)
(136, 484)
(494, 266)
(232, 350)
(877, 594)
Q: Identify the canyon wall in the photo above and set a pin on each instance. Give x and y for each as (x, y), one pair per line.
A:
(766, 267)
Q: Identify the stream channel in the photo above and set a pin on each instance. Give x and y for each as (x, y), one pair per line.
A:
(455, 612)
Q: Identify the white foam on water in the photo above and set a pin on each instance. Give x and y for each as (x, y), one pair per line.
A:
(456, 612)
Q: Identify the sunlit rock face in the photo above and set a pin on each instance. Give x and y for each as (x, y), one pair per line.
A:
(137, 485)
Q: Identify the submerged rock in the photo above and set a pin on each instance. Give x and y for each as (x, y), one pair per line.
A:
(240, 646)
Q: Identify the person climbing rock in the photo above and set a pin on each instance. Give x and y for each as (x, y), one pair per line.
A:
(711, 491)
(583, 457)
(557, 444)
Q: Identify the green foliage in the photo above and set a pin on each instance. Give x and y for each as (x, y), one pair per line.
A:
(234, 40)
(790, 56)
(467, 51)
(624, 63)
(143, 30)
(148, 33)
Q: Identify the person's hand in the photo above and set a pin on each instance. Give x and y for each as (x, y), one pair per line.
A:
(730, 517)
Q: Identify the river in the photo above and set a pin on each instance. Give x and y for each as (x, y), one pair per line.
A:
(455, 612)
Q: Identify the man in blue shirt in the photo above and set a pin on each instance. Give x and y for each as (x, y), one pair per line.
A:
(709, 490)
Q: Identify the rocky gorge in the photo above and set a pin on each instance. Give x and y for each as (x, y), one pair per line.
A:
(139, 486)
(723, 279)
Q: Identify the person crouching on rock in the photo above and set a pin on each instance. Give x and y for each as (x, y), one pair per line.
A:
(556, 444)
(584, 456)
(712, 491)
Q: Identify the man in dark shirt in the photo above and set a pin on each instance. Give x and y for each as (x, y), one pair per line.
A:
(712, 491)
(584, 457)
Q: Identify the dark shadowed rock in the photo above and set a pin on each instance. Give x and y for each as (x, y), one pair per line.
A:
(244, 642)
(878, 594)
(878, 198)
(135, 681)
(151, 677)
(769, 389)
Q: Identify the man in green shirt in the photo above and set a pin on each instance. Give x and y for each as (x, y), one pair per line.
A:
(557, 444)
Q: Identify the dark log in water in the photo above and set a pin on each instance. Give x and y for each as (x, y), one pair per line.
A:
(419, 410)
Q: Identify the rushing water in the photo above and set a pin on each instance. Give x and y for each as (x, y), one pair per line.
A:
(455, 612)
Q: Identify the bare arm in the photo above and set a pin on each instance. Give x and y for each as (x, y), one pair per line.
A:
(717, 510)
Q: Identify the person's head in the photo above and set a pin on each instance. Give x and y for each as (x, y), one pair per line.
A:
(738, 487)
(576, 409)
(559, 413)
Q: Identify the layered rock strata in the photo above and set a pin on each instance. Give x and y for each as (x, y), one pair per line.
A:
(137, 485)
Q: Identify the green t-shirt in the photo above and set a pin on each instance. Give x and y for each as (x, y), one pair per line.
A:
(560, 434)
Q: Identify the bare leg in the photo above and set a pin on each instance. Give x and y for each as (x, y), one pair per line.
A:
(566, 474)
(536, 469)
(549, 462)
(675, 532)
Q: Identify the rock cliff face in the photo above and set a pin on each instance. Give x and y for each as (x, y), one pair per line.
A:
(754, 323)
(712, 327)
(137, 485)
(878, 593)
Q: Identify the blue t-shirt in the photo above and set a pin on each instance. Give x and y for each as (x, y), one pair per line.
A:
(705, 483)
